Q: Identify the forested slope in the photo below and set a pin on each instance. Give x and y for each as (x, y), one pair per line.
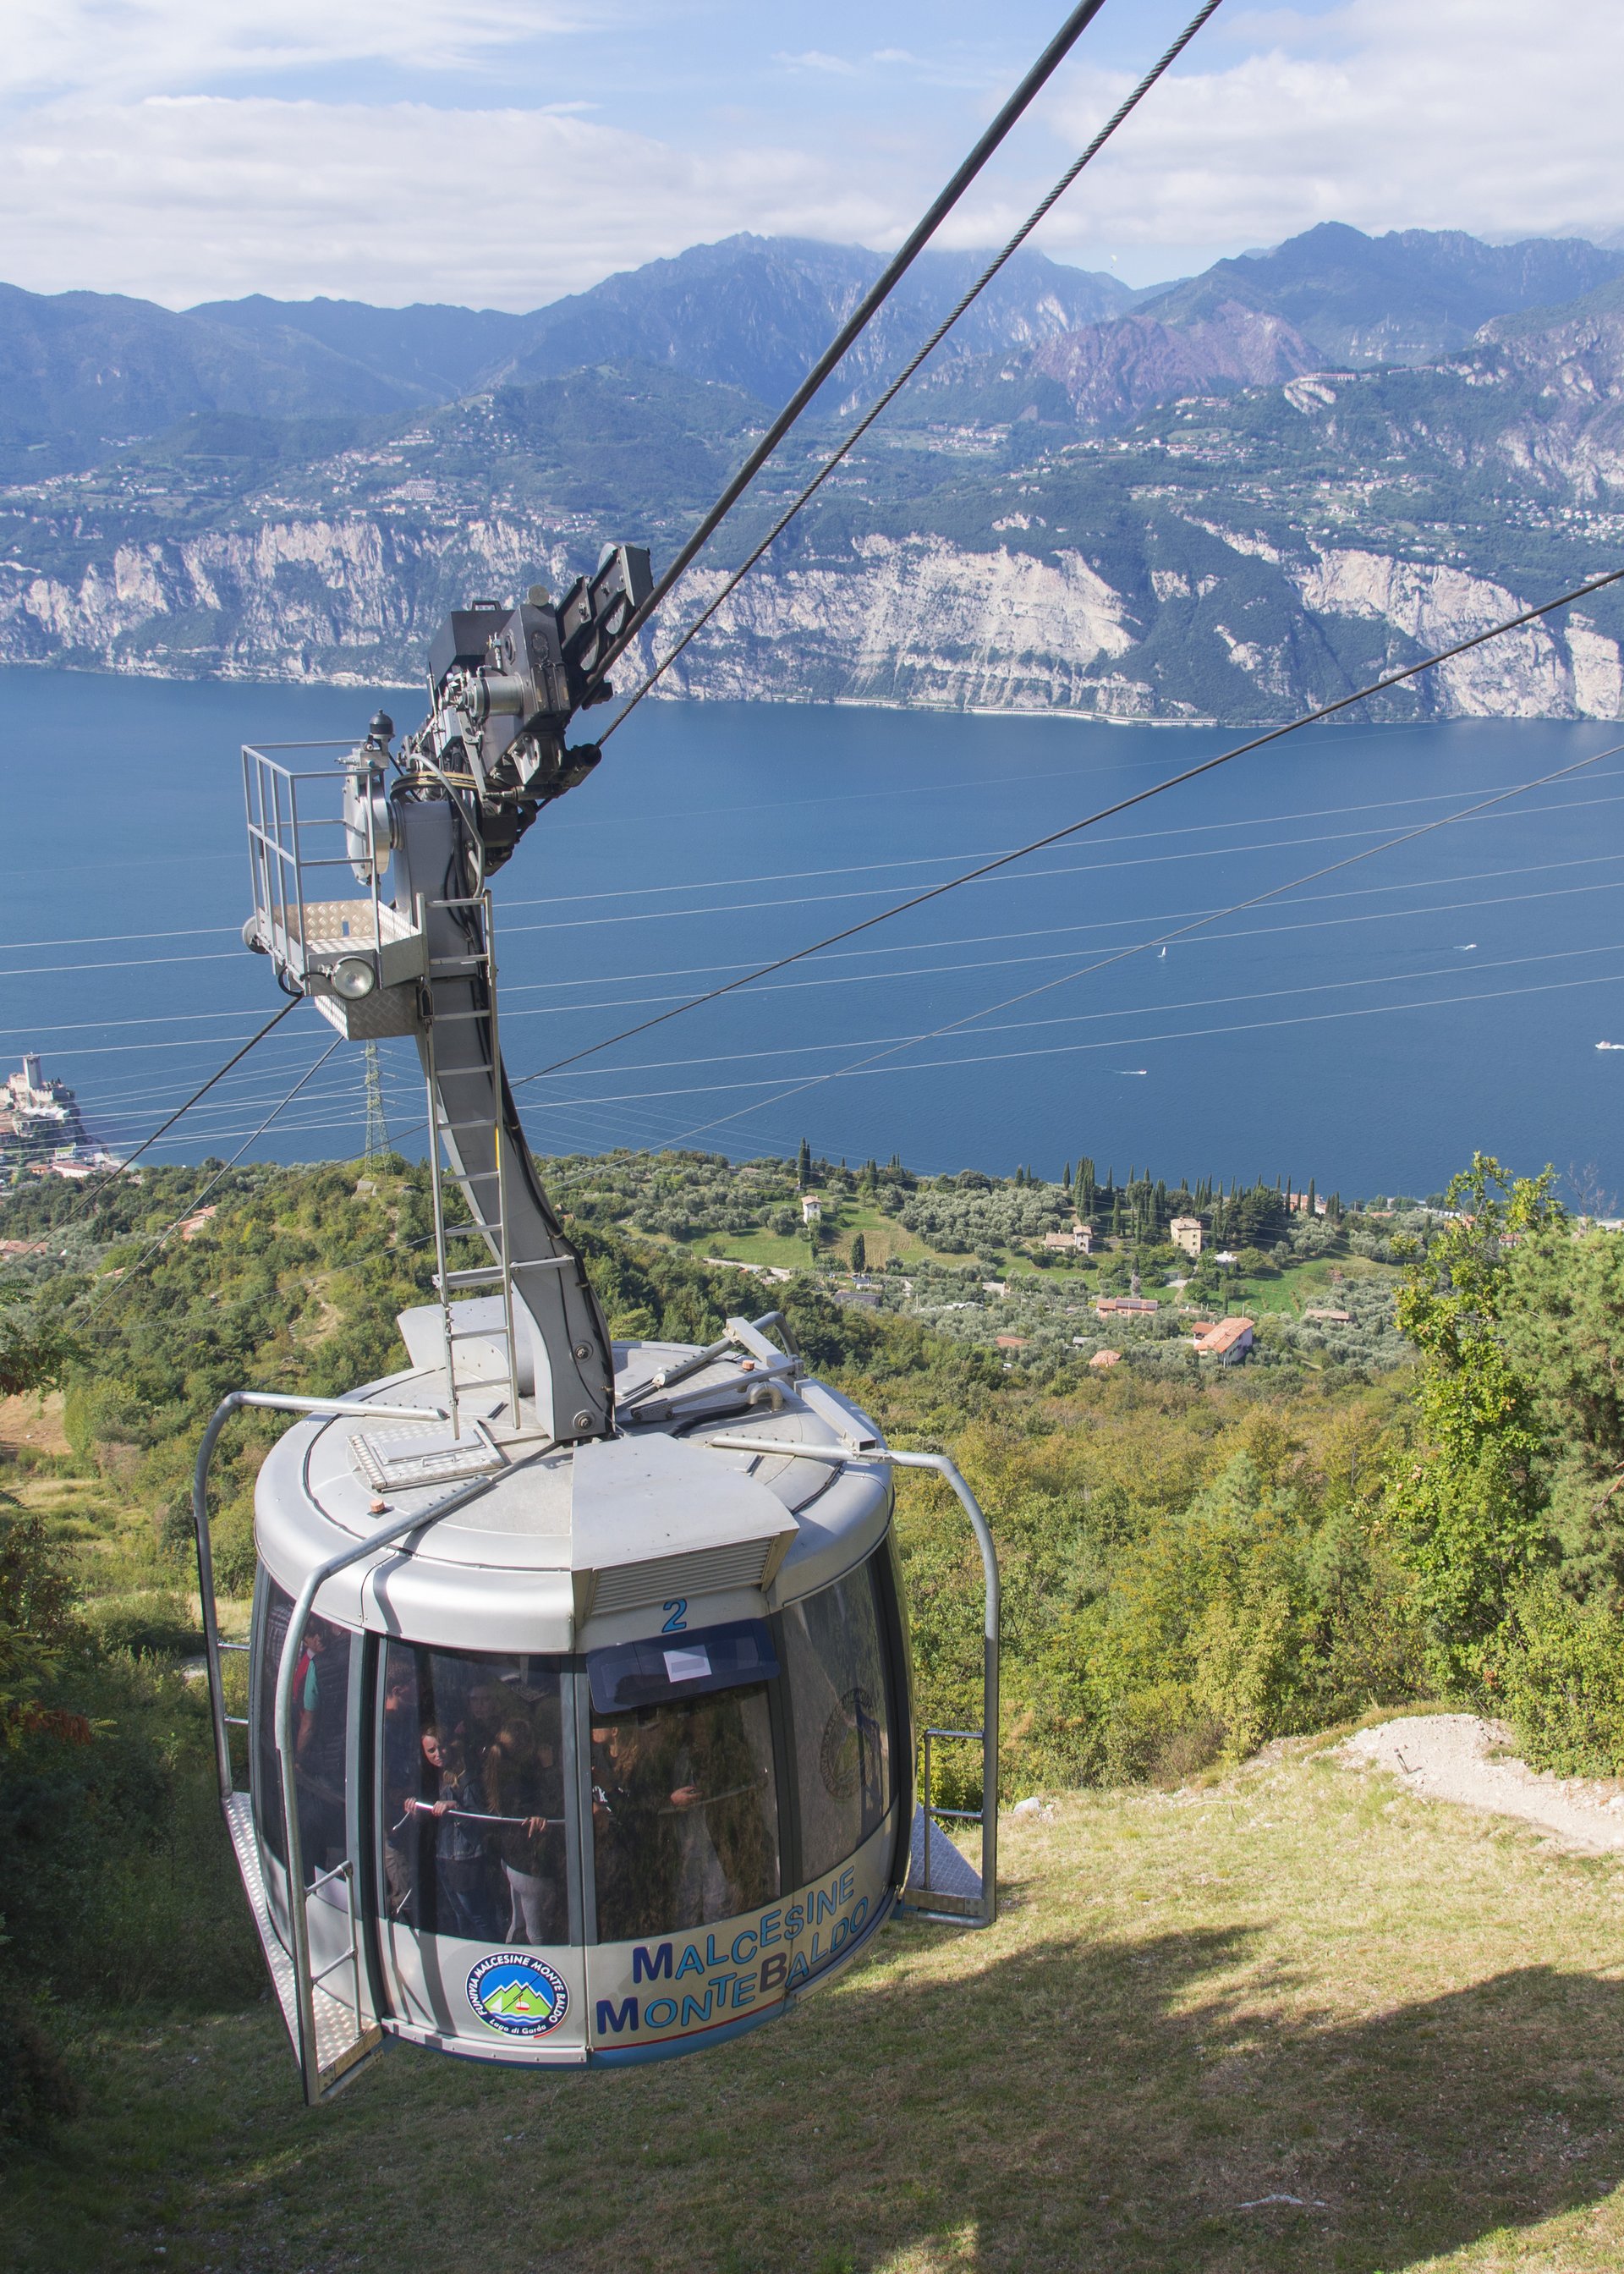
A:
(1193, 1564)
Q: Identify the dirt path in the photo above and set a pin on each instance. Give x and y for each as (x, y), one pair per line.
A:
(1460, 1756)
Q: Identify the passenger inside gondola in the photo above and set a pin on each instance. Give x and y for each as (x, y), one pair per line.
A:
(729, 1823)
(472, 1796)
(400, 1749)
(684, 1813)
(462, 1866)
(524, 1793)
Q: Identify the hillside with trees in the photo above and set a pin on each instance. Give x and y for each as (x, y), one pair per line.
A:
(1198, 1559)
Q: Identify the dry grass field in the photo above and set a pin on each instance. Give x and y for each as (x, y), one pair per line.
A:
(1290, 2021)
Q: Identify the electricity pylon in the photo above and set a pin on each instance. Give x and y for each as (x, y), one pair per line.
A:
(377, 1127)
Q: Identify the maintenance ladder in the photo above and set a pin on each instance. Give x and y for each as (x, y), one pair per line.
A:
(474, 969)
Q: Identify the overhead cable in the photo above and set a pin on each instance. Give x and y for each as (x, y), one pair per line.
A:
(1163, 939)
(872, 979)
(1068, 1049)
(198, 1199)
(888, 1045)
(1117, 1043)
(1037, 214)
(1159, 836)
(1042, 71)
(95, 1192)
(1091, 820)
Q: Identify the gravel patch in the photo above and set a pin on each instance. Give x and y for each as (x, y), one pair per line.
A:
(1452, 1756)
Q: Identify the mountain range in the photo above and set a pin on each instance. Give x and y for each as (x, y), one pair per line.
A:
(1219, 498)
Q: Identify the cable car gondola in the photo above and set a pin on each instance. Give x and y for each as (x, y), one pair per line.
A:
(580, 1727)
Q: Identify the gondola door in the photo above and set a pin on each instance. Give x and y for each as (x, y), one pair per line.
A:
(315, 1950)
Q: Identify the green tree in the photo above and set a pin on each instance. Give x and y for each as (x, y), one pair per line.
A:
(36, 1600)
(860, 1253)
(1564, 1332)
(33, 1348)
(1464, 1498)
(36, 1617)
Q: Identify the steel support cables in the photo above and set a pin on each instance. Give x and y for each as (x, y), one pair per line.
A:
(198, 1199)
(922, 355)
(220, 1073)
(1143, 946)
(1089, 820)
(1021, 100)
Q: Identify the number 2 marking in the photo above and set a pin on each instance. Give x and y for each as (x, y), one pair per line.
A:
(677, 1622)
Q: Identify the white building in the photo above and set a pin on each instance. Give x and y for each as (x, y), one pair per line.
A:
(39, 1117)
(1078, 1241)
(1185, 1231)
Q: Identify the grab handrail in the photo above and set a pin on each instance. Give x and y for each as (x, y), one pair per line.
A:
(234, 1402)
(839, 1456)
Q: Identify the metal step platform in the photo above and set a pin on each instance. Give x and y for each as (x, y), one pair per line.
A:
(341, 2048)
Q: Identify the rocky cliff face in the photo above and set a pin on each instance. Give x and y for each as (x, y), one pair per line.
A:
(1137, 518)
(348, 599)
(1111, 372)
(916, 620)
(920, 621)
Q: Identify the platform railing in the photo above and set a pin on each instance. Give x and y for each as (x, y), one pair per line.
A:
(291, 829)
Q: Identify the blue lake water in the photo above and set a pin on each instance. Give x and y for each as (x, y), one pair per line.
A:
(1368, 1028)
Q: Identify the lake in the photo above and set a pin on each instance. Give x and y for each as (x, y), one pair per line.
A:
(1368, 1028)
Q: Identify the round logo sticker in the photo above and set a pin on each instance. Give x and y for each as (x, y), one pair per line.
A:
(517, 1993)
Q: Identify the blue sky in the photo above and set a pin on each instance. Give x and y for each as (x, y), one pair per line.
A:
(503, 152)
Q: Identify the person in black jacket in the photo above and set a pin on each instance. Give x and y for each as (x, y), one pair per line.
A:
(461, 1904)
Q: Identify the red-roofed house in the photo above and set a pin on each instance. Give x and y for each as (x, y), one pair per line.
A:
(1228, 1342)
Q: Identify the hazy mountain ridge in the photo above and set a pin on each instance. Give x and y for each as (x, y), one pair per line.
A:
(81, 370)
(1409, 297)
(1138, 516)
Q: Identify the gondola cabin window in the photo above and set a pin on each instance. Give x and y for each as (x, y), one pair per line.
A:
(471, 1795)
(836, 1680)
(685, 1806)
(320, 1722)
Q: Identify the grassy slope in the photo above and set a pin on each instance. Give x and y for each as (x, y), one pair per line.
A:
(1297, 1284)
(1296, 1982)
(1302, 1284)
(883, 1238)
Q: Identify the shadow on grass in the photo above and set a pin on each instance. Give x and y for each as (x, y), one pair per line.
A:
(1155, 2106)
(1161, 2105)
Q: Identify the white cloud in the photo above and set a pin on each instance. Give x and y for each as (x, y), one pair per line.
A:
(156, 147)
(813, 59)
(158, 46)
(194, 197)
(1463, 114)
